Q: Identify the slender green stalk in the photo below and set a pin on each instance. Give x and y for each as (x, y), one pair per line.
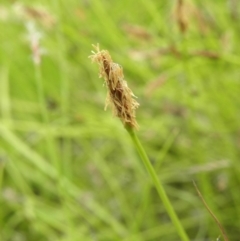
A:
(168, 206)
(45, 117)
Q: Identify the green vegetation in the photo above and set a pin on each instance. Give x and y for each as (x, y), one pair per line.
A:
(69, 170)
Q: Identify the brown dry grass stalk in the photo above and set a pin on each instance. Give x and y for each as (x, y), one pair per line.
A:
(119, 96)
(222, 230)
(181, 16)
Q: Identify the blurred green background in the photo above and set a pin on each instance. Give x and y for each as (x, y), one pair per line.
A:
(68, 170)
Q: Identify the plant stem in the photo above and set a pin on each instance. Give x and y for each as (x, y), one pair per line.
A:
(168, 206)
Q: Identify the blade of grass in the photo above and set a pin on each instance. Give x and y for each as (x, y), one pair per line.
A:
(156, 181)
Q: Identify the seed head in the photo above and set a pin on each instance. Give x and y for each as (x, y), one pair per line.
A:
(119, 95)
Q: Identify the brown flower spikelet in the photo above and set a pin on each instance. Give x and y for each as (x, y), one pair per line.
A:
(119, 96)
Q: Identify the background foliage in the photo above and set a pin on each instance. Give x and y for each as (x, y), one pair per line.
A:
(68, 170)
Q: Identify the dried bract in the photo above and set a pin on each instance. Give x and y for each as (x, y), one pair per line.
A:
(119, 96)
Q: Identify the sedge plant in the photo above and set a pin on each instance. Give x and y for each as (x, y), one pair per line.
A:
(123, 103)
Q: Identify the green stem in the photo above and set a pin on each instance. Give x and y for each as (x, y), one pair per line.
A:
(168, 206)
